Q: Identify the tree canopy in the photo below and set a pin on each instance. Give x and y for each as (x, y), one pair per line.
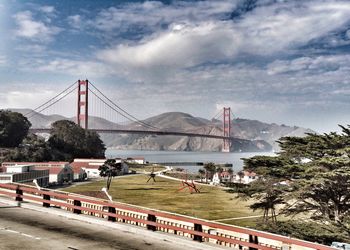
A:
(13, 128)
(72, 141)
(67, 140)
(317, 170)
(110, 169)
(33, 149)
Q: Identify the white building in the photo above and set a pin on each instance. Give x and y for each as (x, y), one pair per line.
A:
(59, 172)
(216, 179)
(59, 175)
(91, 166)
(137, 160)
(19, 168)
(24, 174)
(246, 177)
(79, 173)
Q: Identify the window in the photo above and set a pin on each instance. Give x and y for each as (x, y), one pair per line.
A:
(5, 178)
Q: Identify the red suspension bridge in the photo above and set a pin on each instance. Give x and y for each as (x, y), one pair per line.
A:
(93, 102)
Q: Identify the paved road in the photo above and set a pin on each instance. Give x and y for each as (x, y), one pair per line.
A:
(22, 228)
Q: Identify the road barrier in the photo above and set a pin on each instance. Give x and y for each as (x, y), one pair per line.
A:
(155, 220)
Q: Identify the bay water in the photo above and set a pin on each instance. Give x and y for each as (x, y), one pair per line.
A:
(186, 157)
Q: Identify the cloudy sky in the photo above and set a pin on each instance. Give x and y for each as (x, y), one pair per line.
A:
(272, 60)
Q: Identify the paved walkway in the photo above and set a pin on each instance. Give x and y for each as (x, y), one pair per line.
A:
(35, 227)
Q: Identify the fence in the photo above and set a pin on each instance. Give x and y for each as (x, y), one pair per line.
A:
(155, 220)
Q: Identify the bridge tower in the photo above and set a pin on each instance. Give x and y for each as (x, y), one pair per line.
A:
(227, 129)
(83, 102)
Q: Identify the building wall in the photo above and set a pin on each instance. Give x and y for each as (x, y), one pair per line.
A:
(19, 168)
(92, 172)
(63, 175)
(42, 177)
(80, 176)
(5, 178)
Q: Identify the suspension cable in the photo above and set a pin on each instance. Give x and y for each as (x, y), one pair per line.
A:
(218, 115)
(133, 118)
(53, 102)
(32, 111)
(113, 108)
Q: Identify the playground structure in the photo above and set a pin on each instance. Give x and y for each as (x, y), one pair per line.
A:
(191, 186)
(152, 176)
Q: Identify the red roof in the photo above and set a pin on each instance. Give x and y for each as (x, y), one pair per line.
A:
(79, 164)
(37, 164)
(248, 173)
(225, 173)
(76, 169)
(52, 170)
(85, 165)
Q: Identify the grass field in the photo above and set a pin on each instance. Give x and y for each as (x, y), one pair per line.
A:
(211, 203)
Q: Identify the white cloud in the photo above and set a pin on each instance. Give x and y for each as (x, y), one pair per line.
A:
(347, 34)
(183, 46)
(47, 9)
(3, 60)
(289, 25)
(152, 14)
(34, 30)
(76, 68)
(310, 65)
(32, 48)
(266, 31)
(75, 21)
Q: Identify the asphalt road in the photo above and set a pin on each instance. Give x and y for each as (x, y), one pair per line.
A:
(22, 228)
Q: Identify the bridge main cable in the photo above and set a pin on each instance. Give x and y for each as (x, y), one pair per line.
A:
(122, 112)
(50, 100)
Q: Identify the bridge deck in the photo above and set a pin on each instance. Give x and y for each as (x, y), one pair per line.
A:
(147, 132)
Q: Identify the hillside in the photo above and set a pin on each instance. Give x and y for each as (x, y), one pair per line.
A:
(251, 135)
(256, 130)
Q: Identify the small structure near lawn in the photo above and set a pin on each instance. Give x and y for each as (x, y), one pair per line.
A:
(24, 173)
(91, 166)
(59, 172)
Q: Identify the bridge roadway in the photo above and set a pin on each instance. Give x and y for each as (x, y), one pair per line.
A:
(34, 227)
(148, 132)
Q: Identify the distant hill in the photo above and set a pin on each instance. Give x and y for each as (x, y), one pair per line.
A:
(252, 135)
(256, 130)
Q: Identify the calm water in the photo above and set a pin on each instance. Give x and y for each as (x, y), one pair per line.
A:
(176, 156)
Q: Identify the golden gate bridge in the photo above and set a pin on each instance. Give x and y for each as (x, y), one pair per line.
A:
(88, 93)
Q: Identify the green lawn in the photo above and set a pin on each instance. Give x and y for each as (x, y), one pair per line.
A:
(211, 203)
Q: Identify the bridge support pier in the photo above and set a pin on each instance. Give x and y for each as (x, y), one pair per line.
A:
(226, 147)
(83, 104)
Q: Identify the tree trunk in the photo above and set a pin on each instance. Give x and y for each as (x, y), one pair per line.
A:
(336, 213)
(109, 180)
